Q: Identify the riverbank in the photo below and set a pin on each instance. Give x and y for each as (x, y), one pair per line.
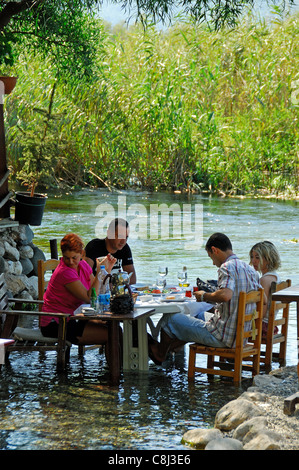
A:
(255, 420)
(278, 385)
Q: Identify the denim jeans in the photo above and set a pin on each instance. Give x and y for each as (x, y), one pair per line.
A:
(189, 329)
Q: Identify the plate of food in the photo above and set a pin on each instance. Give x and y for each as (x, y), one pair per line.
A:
(174, 298)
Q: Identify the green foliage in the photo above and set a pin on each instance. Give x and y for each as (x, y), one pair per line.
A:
(184, 108)
(58, 29)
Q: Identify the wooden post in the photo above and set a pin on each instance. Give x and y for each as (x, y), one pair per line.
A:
(5, 210)
(53, 248)
(7, 84)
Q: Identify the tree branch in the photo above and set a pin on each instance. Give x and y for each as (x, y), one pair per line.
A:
(12, 9)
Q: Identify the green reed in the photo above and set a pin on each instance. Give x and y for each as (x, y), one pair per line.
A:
(185, 108)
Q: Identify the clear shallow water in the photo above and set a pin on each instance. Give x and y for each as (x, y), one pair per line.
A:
(40, 409)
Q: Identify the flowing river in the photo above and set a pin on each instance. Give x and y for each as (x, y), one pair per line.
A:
(43, 410)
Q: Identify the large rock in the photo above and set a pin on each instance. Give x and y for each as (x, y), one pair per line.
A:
(231, 415)
(32, 286)
(2, 265)
(38, 254)
(13, 267)
(266, 381)
(250, 429)
(2, 249)
(226, 443)
(11, 252)
(26, 251)
(18, 283)
(25, 234)
(269, 440)
(26, 265)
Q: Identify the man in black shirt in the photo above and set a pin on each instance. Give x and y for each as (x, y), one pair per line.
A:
(116, 244)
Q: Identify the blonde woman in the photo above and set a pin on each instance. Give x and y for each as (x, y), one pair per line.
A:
(265, 259)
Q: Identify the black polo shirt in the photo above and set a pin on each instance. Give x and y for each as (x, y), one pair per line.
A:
(97, 248)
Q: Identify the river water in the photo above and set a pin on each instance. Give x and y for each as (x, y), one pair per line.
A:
(43, 410)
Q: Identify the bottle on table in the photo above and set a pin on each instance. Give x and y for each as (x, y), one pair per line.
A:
(104, 291)
(93, 299)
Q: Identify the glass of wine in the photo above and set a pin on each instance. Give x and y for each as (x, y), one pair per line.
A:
(182, 277)
(161, 283)
(163, 271)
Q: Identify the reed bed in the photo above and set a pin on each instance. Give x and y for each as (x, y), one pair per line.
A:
(184, 108)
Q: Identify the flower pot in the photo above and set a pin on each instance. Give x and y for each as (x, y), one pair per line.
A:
(8, 84)
(30, 209)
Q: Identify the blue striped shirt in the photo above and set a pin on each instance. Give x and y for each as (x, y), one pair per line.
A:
(237, 276)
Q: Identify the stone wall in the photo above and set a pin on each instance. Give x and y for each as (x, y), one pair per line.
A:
(18, 261)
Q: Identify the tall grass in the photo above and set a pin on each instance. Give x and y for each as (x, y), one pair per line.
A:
(184, 108)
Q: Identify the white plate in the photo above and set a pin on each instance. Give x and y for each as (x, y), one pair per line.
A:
(181, 299)
(139, 286)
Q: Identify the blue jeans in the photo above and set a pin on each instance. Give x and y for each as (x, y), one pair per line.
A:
(189, 329)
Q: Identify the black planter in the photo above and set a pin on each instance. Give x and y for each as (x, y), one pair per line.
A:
(30, 209)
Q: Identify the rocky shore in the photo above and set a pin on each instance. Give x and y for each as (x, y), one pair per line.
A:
(255, 420)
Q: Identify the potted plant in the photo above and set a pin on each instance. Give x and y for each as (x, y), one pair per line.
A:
(8, 84)
(36, 148)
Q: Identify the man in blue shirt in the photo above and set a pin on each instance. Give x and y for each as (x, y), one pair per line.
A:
(218, 328)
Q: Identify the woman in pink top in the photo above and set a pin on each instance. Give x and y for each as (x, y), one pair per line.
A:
(69, 287)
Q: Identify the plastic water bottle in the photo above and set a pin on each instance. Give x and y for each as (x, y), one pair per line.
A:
(101, 276)
(104, 292)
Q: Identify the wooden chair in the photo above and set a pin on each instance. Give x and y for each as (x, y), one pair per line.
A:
(282, 319)
(44, 267)
(247, 344)
(31, 339)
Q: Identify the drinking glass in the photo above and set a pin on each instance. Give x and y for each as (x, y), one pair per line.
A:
(161, 283)
(182, 277)
(163, 271)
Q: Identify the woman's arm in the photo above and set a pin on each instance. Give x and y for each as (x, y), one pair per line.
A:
(78, 290)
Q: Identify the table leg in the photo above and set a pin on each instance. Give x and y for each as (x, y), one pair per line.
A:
(298, 337)
(142, 344)
(135, 353)
(113, 351)
(61, 352)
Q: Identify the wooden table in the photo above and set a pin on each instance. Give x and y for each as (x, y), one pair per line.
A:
(135, 345)
(4, 342)
(291, 294)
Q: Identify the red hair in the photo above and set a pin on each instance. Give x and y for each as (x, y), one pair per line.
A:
(72, 242)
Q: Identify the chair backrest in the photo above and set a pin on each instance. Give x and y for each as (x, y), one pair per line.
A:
(275, 306)
(42, 268)
(3, 297)
(249, 326)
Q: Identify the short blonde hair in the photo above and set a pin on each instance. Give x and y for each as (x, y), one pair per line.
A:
(267, 251)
